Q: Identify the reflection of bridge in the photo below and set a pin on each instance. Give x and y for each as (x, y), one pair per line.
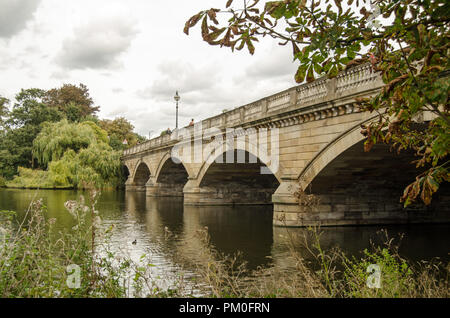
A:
(317, 144)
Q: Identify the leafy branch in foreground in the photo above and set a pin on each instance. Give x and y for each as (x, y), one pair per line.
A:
(406, 41)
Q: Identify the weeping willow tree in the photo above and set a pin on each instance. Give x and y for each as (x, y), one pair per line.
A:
(56, 138)
(75, 155)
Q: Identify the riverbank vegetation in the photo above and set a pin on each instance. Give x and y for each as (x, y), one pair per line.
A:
(54, 139)
(321, 273)
(36, 260)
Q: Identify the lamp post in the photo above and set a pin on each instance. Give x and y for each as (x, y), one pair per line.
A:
(177, 98)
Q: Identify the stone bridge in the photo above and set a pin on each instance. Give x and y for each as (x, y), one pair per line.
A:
(307, 137)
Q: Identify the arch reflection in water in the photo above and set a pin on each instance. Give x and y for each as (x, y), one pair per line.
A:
(172, 228)
(247, 229)
(164, 221)
(415, 241)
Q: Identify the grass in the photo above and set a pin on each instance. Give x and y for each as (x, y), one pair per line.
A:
(33, 179)
(38, 261)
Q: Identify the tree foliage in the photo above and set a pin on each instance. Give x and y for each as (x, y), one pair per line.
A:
(74, 101)
(30, 110)
(4, 102)
(119, 130)
(406, 41)
(20, 126)
(56, 138)
(77, 156)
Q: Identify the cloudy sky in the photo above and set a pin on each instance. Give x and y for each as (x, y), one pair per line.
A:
(133, 56)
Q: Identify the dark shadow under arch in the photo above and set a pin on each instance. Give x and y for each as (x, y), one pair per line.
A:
(170, 180)
(358, 184)
(239, 182)
(141, 175)
(124, 174)
(172, 173)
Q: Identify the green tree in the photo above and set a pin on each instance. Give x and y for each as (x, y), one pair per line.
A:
(76, 155)
(56, 138)
(20, 126)
(31, 110)
(4, 102)
(407, 42)
(74, 101)
(119, 130)
(4, 169)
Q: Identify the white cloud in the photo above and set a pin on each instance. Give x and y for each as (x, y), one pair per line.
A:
(177, 75)
(14, 15)
(97, 44)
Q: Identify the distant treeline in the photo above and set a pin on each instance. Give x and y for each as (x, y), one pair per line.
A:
(54, 139)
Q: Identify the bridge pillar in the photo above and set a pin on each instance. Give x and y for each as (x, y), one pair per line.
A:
(224, 194)
(158, 189)
(132, 186)
(195, 195)
(286, 209)
(129, 183)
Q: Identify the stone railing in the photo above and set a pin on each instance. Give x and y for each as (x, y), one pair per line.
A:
(279, 101)
(312, 91)
(355, 80)
(152, 143)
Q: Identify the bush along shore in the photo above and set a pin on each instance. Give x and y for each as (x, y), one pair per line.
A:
(36, 260)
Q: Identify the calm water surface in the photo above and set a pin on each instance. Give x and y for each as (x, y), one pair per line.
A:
(165, 229)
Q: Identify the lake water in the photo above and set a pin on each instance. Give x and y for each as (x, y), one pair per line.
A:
(165, 229)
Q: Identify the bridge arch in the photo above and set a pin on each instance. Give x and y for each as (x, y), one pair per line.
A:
(141, 175)
(169, 178)
(126, 169)
(219, 151)
(357, 187)
(237, 182)
(332, 150)
(124, 174)
(166, 162)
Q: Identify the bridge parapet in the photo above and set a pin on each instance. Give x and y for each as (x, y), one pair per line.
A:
(357, 80)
